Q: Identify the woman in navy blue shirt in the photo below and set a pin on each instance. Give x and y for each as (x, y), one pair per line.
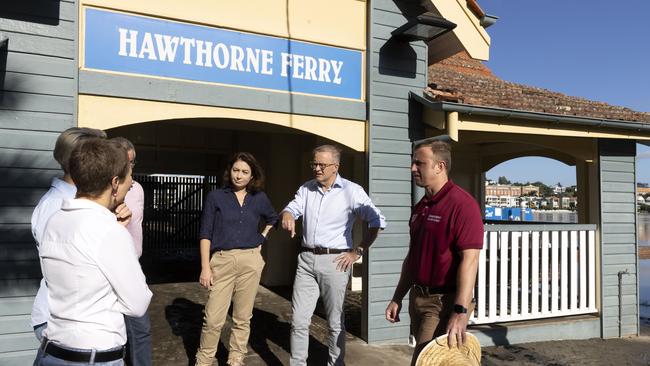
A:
(231, 262)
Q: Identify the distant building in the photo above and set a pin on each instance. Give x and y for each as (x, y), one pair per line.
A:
(502, 190)
(569, 203)
(507, 195)
(511, 190)
(555, 202)
(643, 190)
(528, 189)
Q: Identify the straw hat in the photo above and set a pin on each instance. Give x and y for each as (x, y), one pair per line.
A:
(436, 353)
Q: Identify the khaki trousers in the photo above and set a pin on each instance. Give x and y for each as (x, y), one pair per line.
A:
(430, 314)
(235, 276)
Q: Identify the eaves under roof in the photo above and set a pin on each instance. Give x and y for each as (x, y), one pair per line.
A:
(468, 84)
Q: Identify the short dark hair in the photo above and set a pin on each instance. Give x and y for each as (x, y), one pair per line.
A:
(93, 165)
(71, 138)
(441, 150)
(257, 173)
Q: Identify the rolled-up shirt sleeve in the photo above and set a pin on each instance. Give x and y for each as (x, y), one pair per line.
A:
(207, 217)
(117, 260)
(365, 209)
(297, 206)
(267, 210)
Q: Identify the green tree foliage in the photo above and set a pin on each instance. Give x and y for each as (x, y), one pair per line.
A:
(544, 190)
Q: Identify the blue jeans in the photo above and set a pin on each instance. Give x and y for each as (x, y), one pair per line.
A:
(38, 331)
(138, 348)
(44, 359)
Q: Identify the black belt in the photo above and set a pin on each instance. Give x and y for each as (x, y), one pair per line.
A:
(320, 250)
(433, 290)
(81, 356)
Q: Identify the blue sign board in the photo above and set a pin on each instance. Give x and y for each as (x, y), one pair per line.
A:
(508, 213)
(141, 45)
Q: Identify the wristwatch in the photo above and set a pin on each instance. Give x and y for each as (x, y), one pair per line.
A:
(460, 309)
(359, 251)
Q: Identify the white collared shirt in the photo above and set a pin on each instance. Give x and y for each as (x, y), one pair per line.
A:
(93, 275)
(47, 206)
(328, 217)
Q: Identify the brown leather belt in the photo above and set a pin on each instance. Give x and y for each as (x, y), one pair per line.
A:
(320, 250)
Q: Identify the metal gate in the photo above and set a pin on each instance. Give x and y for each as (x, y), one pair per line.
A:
(172, 214)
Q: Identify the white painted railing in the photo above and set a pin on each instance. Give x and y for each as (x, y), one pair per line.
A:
(535, 271)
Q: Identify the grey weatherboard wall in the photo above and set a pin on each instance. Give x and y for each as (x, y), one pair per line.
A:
(618, 237)
(37, 102)
(394, 69)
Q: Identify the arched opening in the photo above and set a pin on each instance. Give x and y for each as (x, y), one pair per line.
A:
(179, 161)
(477, 153)
(531, 189)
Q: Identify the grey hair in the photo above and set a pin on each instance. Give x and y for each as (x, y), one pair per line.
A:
(124, 143)
(69, 139)
(332, 149)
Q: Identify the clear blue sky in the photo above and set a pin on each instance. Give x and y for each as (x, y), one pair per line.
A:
(592, 49)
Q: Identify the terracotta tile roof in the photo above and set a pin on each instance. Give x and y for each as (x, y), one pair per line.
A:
(465, 80)
(475, 8)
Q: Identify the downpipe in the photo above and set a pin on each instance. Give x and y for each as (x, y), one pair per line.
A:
(620, 301)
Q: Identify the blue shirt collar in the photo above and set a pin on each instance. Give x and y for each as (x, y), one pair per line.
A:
(339, 182)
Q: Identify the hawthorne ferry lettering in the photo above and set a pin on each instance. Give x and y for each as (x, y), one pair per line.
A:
(163, 47)
(135, 44)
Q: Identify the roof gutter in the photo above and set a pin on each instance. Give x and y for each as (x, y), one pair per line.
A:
(536, 116)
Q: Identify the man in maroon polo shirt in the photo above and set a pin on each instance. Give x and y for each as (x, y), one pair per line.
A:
(440, 268)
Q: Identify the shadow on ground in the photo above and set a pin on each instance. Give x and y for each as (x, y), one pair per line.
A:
(351, 307)
(177, 318)
(170, 271)
(185, 318)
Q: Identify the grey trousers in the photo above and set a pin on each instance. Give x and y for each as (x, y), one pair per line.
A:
(316, 277)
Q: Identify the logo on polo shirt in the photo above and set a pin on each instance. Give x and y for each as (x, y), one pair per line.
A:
(434, 218)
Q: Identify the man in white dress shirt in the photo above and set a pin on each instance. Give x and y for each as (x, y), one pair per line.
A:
(328, 205)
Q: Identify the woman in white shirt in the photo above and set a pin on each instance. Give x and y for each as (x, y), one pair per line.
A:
(90, 265)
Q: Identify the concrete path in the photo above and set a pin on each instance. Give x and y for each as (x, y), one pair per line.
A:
(177, 313)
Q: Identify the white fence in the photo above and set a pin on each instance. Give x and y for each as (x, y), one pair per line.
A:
(535, 271)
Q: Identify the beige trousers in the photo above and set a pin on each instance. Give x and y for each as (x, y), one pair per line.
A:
(430, 314)
(235, 277)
